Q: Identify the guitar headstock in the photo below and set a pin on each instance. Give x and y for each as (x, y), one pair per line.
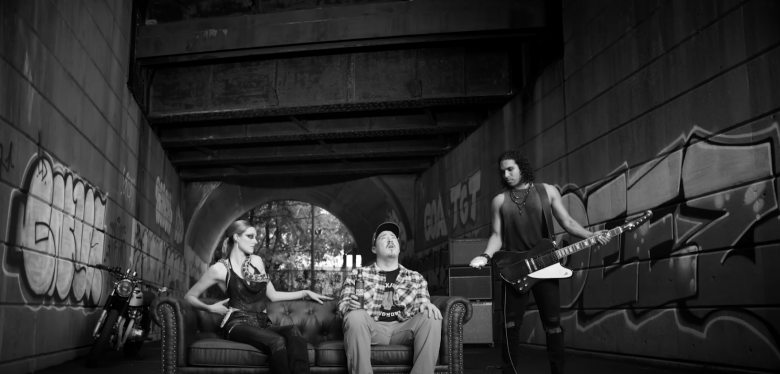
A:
(639, 221)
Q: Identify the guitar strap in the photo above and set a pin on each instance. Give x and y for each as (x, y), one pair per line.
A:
(546, 209)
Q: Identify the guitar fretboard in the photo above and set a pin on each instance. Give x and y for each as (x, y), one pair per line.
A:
(583, 244)
(549, 258)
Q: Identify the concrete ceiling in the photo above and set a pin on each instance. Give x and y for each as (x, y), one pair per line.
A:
(288, 91)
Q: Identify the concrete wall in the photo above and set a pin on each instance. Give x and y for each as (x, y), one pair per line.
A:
(83, 181)
(664, 105)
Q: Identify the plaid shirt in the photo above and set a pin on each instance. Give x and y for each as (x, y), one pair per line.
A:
(411, 291)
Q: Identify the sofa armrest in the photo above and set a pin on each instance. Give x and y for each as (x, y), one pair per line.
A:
(456, 311)
(178, 325)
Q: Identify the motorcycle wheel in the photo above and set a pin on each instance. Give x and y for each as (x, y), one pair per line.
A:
(103, 342)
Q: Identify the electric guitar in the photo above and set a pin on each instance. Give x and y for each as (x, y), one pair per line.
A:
(523, 269)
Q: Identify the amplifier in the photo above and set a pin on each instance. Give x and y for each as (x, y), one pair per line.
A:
(479, 329)
(474, 284)
(463, 250)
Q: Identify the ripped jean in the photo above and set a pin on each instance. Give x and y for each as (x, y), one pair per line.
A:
(547, 296)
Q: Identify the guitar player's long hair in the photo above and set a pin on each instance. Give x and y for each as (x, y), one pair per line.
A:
(526, 170)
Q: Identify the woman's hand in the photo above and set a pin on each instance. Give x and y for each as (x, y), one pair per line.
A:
(219, 307)
(315, 296)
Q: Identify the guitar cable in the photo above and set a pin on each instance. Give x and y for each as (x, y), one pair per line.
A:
(506, 336)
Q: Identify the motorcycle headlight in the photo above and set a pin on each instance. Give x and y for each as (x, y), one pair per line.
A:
(124, 288)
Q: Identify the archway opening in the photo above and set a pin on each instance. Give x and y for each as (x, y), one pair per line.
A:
(302, 245)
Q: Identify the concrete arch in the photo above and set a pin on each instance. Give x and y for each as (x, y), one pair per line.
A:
(360, 205)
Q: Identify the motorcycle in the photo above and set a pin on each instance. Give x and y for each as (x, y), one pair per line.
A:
(125, 321)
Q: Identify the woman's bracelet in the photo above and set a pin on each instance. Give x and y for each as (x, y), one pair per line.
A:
(485, 255)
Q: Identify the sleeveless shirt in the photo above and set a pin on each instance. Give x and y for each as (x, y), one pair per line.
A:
(521, 232)
(248, 297)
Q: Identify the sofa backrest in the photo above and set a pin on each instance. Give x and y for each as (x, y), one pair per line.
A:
(317, 322)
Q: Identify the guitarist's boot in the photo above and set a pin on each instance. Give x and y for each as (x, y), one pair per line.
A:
(555, 352)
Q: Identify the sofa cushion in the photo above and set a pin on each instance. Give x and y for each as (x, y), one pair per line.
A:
(331, 353)
(218, 352)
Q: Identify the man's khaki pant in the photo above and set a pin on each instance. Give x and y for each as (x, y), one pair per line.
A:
(361, 332)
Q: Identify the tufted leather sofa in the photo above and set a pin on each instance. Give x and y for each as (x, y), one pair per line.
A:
(191, 342)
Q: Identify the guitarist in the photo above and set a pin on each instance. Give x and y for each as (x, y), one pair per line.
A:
(518, 224)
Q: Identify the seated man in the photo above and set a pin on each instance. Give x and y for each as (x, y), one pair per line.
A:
(395, 308)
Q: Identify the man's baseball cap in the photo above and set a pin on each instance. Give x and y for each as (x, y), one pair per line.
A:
(386, 226)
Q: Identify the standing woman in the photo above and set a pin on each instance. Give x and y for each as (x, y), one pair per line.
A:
(243, 277)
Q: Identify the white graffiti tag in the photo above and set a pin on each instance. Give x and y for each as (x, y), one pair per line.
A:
(60, 232)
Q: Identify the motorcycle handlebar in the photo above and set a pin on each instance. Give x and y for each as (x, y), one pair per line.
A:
(117, 271)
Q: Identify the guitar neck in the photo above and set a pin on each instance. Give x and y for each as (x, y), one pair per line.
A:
(583, 244)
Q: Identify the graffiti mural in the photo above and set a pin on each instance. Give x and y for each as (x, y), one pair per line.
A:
(435, 222)
(462, 210)
(163, 208)
(156, 260)
(59, 230)
(127, 188)
(463, 197)
(698, 269)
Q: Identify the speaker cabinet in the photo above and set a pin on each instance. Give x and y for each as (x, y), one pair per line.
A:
(463, 250)
(473, 284)
(479, 329)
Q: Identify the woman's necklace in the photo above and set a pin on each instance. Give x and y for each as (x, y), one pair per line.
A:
(251, 276)
(516, 199)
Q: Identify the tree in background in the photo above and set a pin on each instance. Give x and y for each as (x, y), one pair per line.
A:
(292, 234)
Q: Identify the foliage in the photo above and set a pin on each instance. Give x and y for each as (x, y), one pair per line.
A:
(287, 240)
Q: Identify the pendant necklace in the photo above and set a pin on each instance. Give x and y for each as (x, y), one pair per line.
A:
(516, 199)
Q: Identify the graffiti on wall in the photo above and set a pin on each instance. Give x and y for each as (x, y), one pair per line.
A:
(117, 250)
(156, 260)
(463, 208)
(127, 188)
(435, 223)
(463, 197)
(170, 220)
(6, 157)
(58, 226)
(163, 208)
(696, 265)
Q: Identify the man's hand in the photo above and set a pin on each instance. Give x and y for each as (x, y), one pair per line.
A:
(602, 236)
(354, 302)
(478, 262)
(431, 311)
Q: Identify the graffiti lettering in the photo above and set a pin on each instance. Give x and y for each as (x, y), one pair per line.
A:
(163, 210)
(61, 232)
(435, 223)
(463, 197)
(715, 200)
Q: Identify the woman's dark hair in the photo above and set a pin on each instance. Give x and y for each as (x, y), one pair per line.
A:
(237, 227)
(526, 171)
